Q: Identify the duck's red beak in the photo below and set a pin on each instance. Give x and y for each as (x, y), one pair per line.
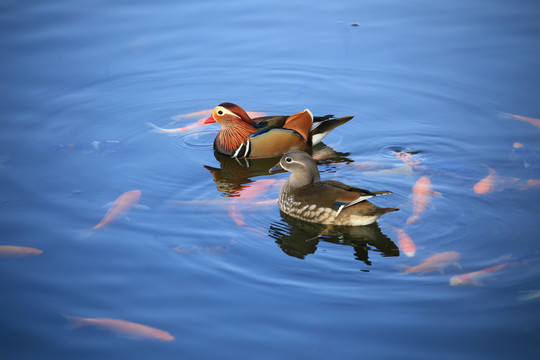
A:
(209, 120)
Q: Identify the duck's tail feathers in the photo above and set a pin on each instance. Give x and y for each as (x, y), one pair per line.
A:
(322, 127)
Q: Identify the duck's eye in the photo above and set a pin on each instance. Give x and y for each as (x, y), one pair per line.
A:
(288, 159)
(220, 112)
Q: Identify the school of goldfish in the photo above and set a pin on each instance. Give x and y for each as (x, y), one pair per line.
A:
(422, 194)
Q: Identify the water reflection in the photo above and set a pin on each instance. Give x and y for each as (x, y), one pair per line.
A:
(298, 238)
(234, 173)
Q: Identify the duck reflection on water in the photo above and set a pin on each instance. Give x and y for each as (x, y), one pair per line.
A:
(234, 173)
(299, 238)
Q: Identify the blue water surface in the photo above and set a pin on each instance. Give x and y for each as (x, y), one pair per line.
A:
(229, 277)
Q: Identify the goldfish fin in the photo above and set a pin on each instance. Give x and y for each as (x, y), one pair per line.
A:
(73, 321)
(458, 266)
(529, 295)
(84, 234)
(141, 207)
(160, 130)
(405, 269)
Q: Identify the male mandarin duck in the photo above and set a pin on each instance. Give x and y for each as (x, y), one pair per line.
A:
(268, 136)
(305, 196)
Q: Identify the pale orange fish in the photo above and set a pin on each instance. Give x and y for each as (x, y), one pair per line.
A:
(253, 190)
(492, 183)
(198, 123)
(473, 278)
(236, 215)
(409, 159)
(436, 262)
(122, 328)
(422, 193)
(533, 121)
(487, 184)
(18, 251)
(518, 145)
(406, 244)
(120, 206)
(530, 184)
(248, 193)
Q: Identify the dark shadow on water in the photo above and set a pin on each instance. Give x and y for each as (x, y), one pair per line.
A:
(233, 173)
(299, 238)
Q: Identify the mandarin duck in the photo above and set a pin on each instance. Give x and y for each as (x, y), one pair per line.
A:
(305, 196)
(268, 136)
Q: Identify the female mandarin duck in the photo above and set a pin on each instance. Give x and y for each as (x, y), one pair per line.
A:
(268, 136)
(327, 202)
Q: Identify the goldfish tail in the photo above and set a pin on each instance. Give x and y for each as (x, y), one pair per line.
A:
(82, 234)
(74, 321)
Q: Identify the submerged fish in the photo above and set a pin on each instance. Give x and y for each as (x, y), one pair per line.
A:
(422, 193)
(530, 120)
(406, 244)
(409, 159)
(530, 184)
(122, 328)
(473, 278)
(437, 262)
(198, 123)
(120, 206)
(247, 193)
(18, 251)
(493, 182)
(487, 184)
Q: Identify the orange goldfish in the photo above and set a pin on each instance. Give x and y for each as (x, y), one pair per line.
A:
(122, 328)
(533, 121)
(406, 244)
(236, 215)
(121, 205)
(492, 182)
(198, 123)
(18, 251)
(487, 184)
(436, 262)
(252, 190)
(530, 184)
(408, 159)
(473, 278)
(248, 193)
(422, 192)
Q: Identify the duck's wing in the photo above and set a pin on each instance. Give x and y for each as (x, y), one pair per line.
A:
(330, 193)
(266, 123)
(300, 123)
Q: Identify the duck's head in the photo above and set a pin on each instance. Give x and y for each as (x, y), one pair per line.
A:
(228, 112)
(302, 166)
